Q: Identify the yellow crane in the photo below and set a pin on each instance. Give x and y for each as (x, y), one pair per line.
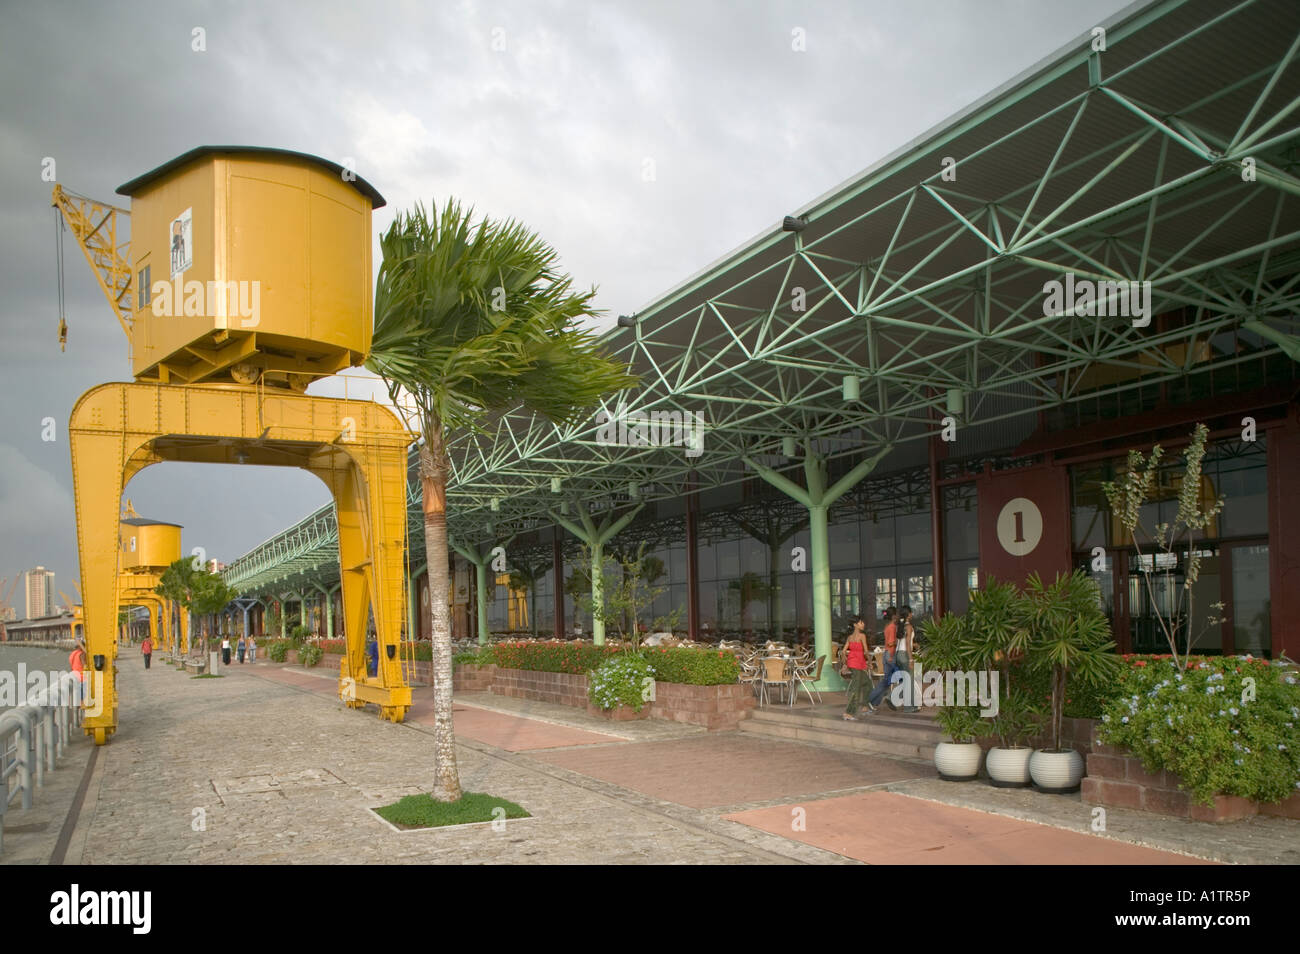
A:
(247, 275)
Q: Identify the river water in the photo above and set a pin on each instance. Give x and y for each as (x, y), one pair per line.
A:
(33, 659)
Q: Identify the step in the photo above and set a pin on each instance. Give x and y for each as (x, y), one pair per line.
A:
(902, 737)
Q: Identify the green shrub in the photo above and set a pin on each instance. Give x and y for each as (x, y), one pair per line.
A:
(277, 650)
(552, 656)
(310, 655)
(297, 634)
(470, 658)
(694, 667)
(1219, 733)
(625, 680)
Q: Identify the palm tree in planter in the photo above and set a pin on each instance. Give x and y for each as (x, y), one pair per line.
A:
(999, 638)
(1068, 637)
(473, 321)
(950, 648)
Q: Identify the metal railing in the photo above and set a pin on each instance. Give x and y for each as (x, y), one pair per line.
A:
(32, 739)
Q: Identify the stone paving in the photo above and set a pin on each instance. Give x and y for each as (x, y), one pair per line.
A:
(267, 766)
(247, 770)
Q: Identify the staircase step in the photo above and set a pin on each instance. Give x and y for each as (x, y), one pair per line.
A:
(918, 752)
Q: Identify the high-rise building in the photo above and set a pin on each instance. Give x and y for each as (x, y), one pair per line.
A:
(40, 593)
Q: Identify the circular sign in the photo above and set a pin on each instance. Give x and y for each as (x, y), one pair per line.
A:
(1020, 526)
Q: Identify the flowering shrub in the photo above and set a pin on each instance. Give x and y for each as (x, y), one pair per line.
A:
(337, 647)
(1219, 732)
(625, 680)
(694, 667)
(309, 655)
(278, 649)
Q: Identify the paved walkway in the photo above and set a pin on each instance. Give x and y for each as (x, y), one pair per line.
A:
(267, 766)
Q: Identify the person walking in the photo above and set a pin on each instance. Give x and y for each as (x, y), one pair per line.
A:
(241, 647)
(225, 650)
(903, 659)
(891, 644)
(146, 650)
(855, 658)
(252, 649)
(77, 663)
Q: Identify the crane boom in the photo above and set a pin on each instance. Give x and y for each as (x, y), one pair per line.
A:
(98, 228)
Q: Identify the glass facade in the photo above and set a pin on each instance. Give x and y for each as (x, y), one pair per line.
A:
(1226, 609)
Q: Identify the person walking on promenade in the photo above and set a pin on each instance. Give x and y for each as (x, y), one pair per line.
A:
(891, 643)
(77, 663)
(903, 659)
(225, 650)
(146, 650)
(855, 657)
(252, 649)
(241, 647)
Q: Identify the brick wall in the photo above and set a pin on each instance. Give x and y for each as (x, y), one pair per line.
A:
(564, 688)
(714, 707)
(1116, 779)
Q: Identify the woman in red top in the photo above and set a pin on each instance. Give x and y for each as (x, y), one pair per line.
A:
(855, 657)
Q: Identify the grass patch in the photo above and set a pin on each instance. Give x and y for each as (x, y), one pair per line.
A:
(421, 811)
(208, 675)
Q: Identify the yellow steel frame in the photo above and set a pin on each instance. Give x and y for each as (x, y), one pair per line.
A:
(98, 227)
(357, 448)
(137, 588)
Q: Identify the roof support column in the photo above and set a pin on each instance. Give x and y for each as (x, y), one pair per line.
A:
(818, 498)
(595, 537)
(557, 558)
(480, 561)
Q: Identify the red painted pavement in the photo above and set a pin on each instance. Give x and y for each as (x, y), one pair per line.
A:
(886, 828)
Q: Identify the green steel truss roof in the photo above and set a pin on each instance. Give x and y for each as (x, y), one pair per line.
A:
(1128, 164)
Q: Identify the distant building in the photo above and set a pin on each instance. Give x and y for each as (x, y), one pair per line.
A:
(40, 593)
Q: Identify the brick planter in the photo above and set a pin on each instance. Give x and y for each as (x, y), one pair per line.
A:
(621, 714)
(473, 678)
(1117, 779)
(714, 707)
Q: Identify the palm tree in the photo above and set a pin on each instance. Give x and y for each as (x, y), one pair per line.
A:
(472, 320)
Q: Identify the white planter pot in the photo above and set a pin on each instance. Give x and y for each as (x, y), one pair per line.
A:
(957, 761)
(1009, 768)
(1056, 772)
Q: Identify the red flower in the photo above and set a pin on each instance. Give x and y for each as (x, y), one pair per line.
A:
(1140, 662)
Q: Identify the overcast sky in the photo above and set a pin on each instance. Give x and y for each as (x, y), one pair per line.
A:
(547, 112)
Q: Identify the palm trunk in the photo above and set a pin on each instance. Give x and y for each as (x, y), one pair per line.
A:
(433, 483)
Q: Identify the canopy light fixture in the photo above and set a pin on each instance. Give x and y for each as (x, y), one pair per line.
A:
(788, 447)
(956, 402)
(850, 387)
(794, 224)
(555, 485)
(627, 321)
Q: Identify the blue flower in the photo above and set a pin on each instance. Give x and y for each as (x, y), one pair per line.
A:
(1125, 719)
(1233, 710)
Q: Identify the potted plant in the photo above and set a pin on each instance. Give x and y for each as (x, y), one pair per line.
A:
(996, 629)
(1008, 763)
(1068, 637)
(948, 646)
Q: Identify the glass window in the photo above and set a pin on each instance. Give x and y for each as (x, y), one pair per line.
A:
(879, 533)
(728, 560)
(1250, 602)
(961, 537)
(913, 537)
(844, 549)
